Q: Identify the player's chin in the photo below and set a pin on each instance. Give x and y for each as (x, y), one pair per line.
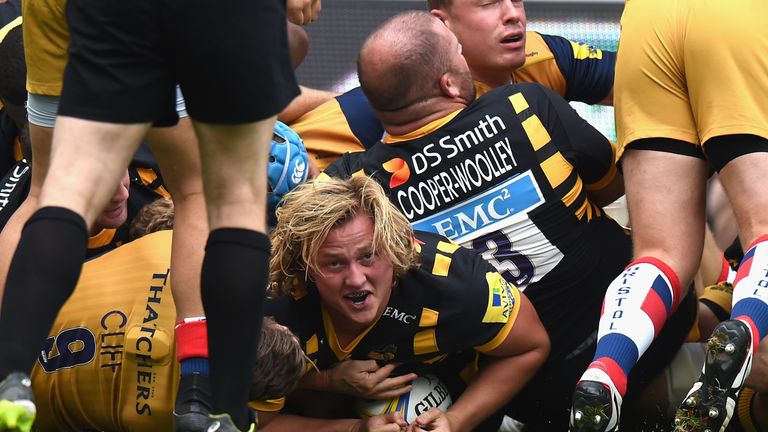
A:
(363, 315)
(511, 58)
(113, 220)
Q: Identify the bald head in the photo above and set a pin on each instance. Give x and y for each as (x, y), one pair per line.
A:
(402, 62)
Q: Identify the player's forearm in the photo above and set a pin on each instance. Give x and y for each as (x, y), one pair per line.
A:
(308, 100)
(493, 386)
(316, 380)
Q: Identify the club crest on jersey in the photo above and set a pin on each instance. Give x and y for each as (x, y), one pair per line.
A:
(400, 172)
(501, 300)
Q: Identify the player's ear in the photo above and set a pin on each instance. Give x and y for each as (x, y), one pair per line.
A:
(440, 14)
(449, 86)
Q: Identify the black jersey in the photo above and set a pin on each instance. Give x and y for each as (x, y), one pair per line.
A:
(146, 185)
(14, 187)
(508, 176)
(438, 315)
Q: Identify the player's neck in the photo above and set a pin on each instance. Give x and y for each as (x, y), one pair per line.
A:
(407, 120)
(492, 78)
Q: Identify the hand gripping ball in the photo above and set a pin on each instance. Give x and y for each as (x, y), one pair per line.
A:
(427, 392)
(288, 163)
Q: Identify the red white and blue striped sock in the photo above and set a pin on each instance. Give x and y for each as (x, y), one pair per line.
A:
(636, 305)
(750, 290)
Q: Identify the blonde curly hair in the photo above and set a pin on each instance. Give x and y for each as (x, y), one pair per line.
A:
(312, 210)
(155, 216)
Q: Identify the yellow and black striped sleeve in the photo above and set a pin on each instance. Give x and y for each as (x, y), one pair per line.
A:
(477, 306)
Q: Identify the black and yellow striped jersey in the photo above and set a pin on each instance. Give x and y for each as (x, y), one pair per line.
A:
(146, 185)
(14, 187)
(438, 316)
(508, 177)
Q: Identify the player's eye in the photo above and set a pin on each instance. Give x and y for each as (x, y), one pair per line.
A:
(331, 264)
(368, 257)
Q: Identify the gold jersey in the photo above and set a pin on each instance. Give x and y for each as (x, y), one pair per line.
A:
(109, 362)
(46, 39)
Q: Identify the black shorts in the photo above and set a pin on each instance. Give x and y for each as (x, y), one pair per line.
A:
(544, 403)
(668, 145)
(230, 58)
(723, 149)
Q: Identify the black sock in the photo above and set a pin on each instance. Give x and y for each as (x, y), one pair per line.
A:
(43, 274)
(234, 283)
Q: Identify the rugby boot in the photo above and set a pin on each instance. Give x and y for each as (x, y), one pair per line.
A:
(17, 403)
(596, 405)
(710, 403)
(193, 403)
(224, 423)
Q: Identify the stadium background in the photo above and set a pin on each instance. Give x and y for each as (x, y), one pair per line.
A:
(335, 39)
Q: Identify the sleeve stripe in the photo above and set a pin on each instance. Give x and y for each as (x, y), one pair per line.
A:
(608, 177)
(442, 265)
(425, 342)
(537, 133)
(269, 405)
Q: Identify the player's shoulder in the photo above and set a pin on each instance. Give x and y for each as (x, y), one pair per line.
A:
(10, 12)
(536, 49)
(302, 314)
(459, 284)
(521, 96)
(347, 165)
(540, 47)
(152, 251)
(446, 261)
(294, 310)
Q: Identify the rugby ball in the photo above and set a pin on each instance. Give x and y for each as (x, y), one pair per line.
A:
(427, 392)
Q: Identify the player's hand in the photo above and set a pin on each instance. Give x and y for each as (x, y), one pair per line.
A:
(432, 420)
(364, 378)
(392, 422)
(303, 12)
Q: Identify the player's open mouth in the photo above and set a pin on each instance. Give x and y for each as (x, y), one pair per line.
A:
(358, 298)
(512, 39)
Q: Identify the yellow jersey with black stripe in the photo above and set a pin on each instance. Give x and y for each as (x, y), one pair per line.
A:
(575, 71)
(109, 362)
(438, 317)
(508, 177)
